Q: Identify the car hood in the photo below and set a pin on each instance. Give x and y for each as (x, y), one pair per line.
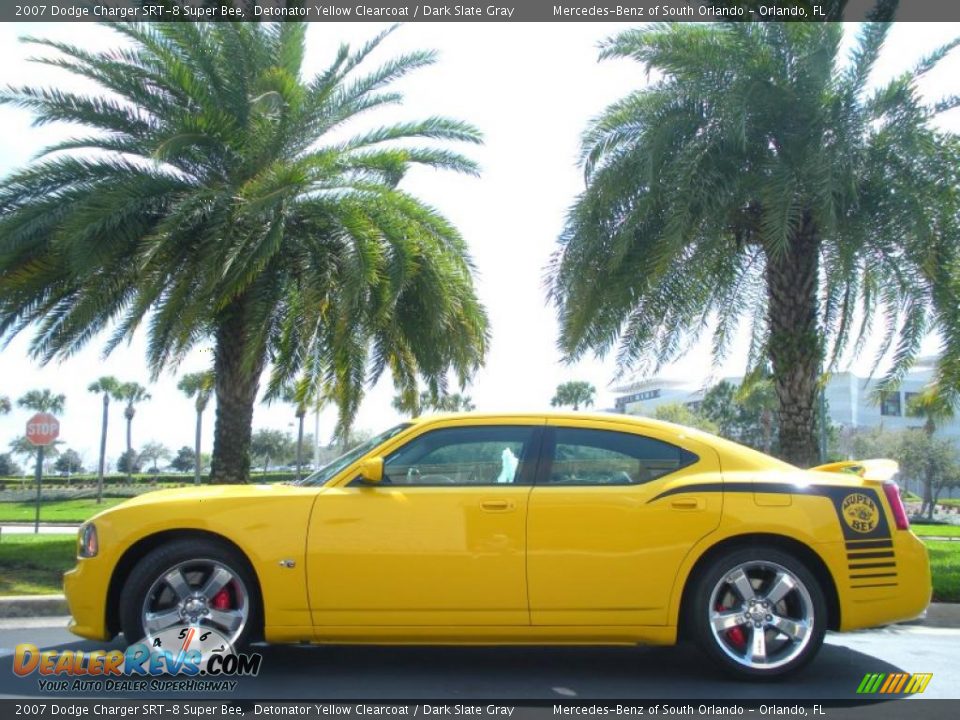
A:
(213, 493)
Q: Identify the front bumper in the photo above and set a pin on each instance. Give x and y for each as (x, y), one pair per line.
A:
(85, 588)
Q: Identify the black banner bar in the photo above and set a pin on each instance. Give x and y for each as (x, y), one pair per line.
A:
(628, 11)
(483, 710)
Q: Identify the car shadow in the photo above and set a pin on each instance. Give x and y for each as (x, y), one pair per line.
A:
(333, 672)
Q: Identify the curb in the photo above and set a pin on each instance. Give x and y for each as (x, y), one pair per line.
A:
(24, 606)
(941, 615)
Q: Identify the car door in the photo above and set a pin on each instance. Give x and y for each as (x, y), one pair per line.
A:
(603, 549)
(440, 542)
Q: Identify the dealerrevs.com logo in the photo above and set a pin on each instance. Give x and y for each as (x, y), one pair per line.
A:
(187, 659)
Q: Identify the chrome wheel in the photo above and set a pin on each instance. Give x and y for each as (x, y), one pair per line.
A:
(761, 615)
(204, 593)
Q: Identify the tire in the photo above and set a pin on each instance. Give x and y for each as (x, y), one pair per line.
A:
(775, 631)
(192, 582)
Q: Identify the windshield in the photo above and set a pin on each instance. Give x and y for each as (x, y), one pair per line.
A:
(323, 475)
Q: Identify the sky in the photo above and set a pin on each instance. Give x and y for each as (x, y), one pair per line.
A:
(531, 88)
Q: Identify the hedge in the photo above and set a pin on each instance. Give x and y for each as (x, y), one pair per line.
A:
(142, 478)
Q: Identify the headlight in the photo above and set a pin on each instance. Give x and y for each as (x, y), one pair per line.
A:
(87, 541)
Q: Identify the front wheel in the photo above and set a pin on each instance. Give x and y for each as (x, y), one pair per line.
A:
(194, 583)
(759, 612)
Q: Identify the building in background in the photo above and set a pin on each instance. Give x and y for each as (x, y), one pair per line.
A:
(852, 401)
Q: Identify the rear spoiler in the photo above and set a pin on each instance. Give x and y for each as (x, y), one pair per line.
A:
(879, 470)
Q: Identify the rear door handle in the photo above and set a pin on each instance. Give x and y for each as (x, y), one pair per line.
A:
(496, 505)
(688, 503)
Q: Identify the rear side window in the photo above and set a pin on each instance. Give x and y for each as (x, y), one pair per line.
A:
(605, 457)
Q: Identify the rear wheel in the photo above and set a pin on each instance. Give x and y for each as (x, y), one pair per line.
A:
(191, 582)
(759, 612)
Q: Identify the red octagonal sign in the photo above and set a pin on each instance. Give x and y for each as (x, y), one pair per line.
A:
(42, 429)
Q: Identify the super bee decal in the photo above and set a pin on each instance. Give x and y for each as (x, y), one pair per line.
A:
(859, 512)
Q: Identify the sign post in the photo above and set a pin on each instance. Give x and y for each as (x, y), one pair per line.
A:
(42, 430)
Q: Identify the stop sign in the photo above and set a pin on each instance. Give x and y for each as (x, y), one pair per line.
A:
(42, 429)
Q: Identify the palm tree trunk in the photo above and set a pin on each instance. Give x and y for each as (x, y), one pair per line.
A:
(300, 446)
(103, 448)
(794, 345)
(196, 449)
(130, 463)
(766, 421)
(236, 391)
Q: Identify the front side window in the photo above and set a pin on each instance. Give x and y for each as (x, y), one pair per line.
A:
(329, 471)
(605, 457)
(486, 455)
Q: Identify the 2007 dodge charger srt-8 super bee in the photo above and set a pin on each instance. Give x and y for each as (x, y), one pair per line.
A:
(517, 529)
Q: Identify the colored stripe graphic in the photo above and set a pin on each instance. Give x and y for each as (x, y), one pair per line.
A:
(868, 682)
(894, 683)
(918, 683)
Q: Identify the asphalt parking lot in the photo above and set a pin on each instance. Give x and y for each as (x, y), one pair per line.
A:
(540, 673)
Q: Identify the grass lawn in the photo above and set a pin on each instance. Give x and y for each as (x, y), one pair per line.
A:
(945, 567)
(55, 510)
(937, 530)
(34, 564)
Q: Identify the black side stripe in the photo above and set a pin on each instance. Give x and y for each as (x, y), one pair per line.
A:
(875, 535)
(760, 487)
(875, 585)
(869, 556)
(868, 566)
(866, 544)
(873, 575)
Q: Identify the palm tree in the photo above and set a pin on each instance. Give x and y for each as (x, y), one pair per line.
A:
(762, 179)
(227, 200)
(453, 403)
(758, 395)
(4, 405)
(426, 401)
(131, 393)
(199, 386)
(575, 393)
(935, 407)
(301, 396)
(43, 401)
(109, 387)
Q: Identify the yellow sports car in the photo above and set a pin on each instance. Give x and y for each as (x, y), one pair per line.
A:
(574, 528)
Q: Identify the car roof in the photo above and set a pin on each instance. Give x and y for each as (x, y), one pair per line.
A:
(598, 416)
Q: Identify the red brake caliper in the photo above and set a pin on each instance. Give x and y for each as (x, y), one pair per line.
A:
(735, 634)
(221, 601)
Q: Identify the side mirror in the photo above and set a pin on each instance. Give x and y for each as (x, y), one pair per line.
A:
(371, 470)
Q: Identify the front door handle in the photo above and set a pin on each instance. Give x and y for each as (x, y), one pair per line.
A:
(687, 503)
(496, 505)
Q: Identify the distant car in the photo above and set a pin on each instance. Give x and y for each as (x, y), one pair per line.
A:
(486, 529)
